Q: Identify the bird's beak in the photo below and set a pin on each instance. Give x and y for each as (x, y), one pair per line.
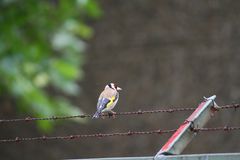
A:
(119, 89)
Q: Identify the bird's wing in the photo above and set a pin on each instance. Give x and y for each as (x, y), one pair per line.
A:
(105, 103)
(102, 103)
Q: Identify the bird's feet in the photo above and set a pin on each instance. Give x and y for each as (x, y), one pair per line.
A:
(103, 116)
(112, 114)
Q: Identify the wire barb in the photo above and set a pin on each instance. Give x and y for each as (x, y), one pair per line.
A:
(139, 112)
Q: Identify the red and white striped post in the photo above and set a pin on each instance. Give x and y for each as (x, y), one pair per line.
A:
(185, 133)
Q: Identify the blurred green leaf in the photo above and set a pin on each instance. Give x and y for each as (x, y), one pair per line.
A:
(79, 29)
(41, 79)
(45, 126)
(91, 8)
(41, 46)
(67, 70)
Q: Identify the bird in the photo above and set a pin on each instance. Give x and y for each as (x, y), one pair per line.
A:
(107, 100)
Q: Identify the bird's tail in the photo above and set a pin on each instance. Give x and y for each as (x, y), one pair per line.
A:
(96, 115)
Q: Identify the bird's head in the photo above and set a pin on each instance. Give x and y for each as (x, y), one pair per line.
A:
(113, 86)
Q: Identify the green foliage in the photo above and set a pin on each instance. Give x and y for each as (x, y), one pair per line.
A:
(41, 48)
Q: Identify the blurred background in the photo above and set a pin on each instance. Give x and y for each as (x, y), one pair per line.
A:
(56, 57)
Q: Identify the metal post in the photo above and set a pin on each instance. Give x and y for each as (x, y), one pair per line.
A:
(185, 133)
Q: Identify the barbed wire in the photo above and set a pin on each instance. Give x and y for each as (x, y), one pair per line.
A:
(229, 106)
(225, 128)
(82, 136)
(101, 135)
(139, 112)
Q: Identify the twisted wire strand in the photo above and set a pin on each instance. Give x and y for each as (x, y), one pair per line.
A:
(139, 112)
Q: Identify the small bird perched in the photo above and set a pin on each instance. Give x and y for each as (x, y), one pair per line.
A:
(107, 99)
